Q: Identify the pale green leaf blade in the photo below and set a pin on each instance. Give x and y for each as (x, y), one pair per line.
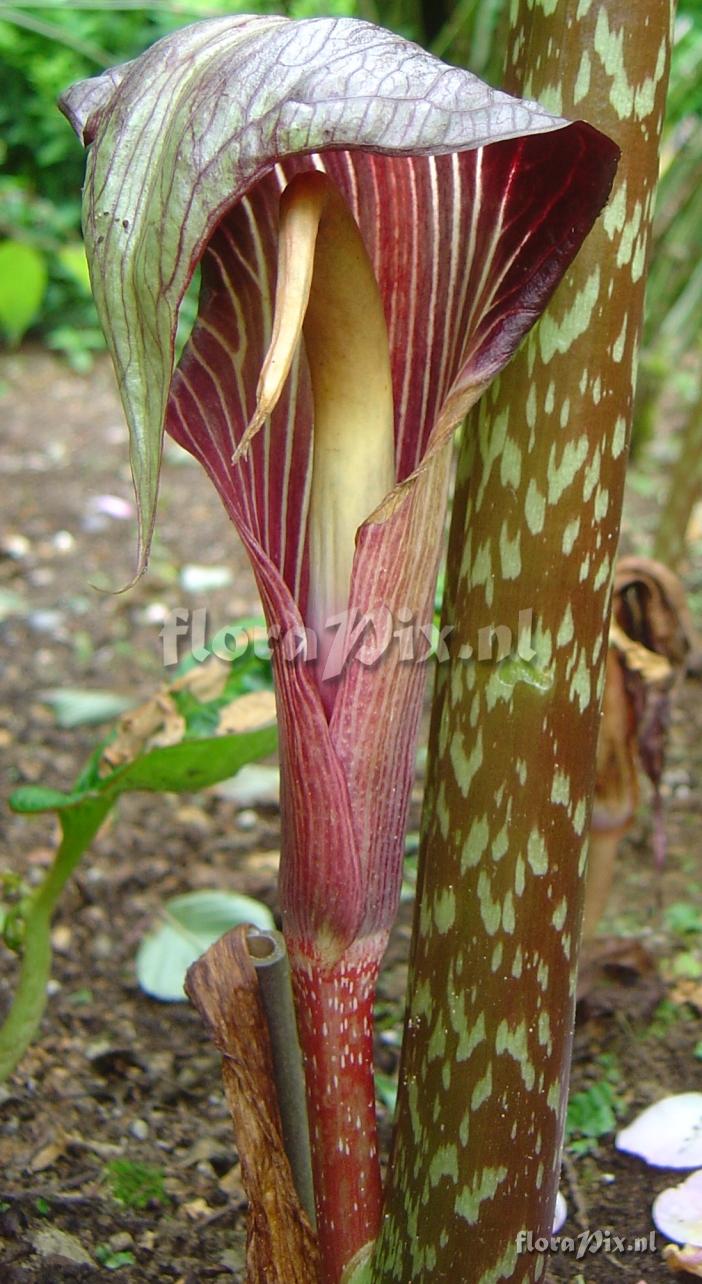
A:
(194, 921)
(23, 278)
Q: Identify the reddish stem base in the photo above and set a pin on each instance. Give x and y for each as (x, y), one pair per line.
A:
(335, 1023)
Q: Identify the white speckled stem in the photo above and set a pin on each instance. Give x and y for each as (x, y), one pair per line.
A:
(335, 1024)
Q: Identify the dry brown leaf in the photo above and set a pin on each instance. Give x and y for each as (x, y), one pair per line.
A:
(153, 724)
(616, 786)
(651, 605)
(637, 658)
(247, 713)
(687, 991)
(612, 958)
(157, 723)
(651, 635)
(687, 1260)
(196, 1209)
(47, 1154)
(649, 608)
(232, 1184)
(205, 681)
(281, 1247)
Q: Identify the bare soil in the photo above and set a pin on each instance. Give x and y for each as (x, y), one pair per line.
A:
(117, 1075)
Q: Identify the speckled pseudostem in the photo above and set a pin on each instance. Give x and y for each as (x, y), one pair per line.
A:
(536, 521)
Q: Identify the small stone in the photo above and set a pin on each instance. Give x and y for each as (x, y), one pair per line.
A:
(102, 947)
(247, 819)
(195, 1209)
(15, 545)
(255, 783)
(48, 621)
(61, 938)
(52, 1242)
(139, 1129)
(63, 541)
(121, 1241)
(202, 579)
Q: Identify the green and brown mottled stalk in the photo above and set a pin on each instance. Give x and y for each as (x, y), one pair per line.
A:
(683, 490)
(487, 1045)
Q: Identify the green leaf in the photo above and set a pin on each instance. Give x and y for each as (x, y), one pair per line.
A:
(32, 799)
(11, 603)
(386, 1089)
(75, 708)
(193, 764)
(193, 923)
(113, 1261)
(591, 1112)
(79, 827)
(683, 918)
(23, 278)
(136, 1185)
(190, 765)
(73, 261)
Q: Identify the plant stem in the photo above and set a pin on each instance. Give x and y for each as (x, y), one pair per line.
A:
(24, 1017)
(684, 489)
(270, 959)
(335, 1024)
(486, 1053)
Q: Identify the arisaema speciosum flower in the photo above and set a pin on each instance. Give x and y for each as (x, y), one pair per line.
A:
(376, 232)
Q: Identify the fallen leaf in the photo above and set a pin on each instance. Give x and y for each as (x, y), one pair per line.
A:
(687, 991)
(254, 784)
(618, 975)
(52, 1242)
(232, 1184)
(686, 1261)
(155, 723)
(205, 681)
(257, 709)
(195, 1209)
(47, 1155)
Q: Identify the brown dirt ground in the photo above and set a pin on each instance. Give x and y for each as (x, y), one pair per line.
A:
(116, 1074)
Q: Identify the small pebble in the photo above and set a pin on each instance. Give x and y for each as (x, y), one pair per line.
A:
(47, 621)
(15, 545)
(42, 576)
(247, 819)
(121, 1241)
(139, 1129)
(102, 946)
(63, 541)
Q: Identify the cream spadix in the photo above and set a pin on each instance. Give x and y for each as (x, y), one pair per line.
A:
(326, 291)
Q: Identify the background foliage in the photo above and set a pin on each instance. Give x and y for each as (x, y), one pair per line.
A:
(44, 287)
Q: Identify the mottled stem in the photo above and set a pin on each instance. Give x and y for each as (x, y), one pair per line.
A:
(335, 1025)
(684, 489)
(486, 1053)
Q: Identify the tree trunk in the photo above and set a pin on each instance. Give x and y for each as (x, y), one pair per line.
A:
(487, 1045)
